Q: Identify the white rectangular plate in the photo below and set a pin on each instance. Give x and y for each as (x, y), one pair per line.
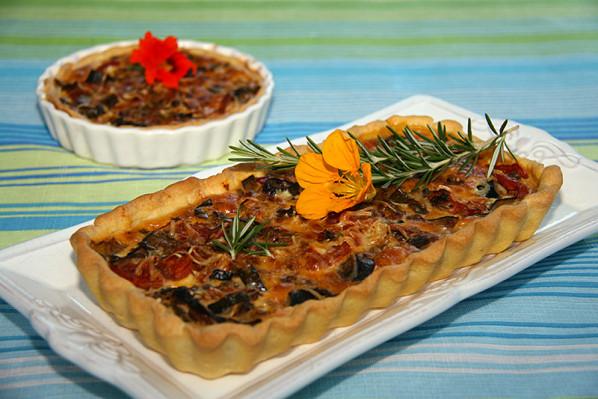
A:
(51, 294)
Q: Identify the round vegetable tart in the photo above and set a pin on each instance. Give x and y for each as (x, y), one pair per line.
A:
(154, 103)
(220, 273)
(107, 88)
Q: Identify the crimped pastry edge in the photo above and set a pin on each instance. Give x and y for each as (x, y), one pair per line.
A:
(215, 350)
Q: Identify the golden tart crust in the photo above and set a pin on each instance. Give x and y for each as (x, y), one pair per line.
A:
(218, 349)
(105, 88)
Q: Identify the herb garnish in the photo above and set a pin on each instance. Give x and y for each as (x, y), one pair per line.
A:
(250, 151)
(240, 235)
(400, 157)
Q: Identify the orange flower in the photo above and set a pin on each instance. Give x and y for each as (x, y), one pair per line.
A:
(334, 180)
(162, 60)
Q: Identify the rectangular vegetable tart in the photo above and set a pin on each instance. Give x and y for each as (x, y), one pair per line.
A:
(220, 273)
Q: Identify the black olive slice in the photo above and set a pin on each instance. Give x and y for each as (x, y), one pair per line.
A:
(245, 93)
(399, 197)
(224, 304)
(365, 266)
(421, 239)
(346, 270)
(250, 184)
(289, 212)
(297, 297)
(222, 275)
(110, 100)
(251, 279)
(326, 235)
(492, 192)
(94, 77)
(275, 185)
(184, 303)
(159, 243)
(440, 199)
(356, 267)
(301, 295)
(200, 212)
(91, 112)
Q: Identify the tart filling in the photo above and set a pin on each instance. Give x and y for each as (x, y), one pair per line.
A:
(180, 265)
(162, 266)
(106, 88)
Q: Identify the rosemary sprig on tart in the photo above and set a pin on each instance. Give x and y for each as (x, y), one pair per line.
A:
(400, 157)
(240, 237)
(415, 155)
(250, 151)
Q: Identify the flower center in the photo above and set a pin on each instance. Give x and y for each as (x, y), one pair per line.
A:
(350, 185)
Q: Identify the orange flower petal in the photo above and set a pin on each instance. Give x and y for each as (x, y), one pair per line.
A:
(370, 191)
(315, 202)
(340, 204)
(312, 170)
(341, 151)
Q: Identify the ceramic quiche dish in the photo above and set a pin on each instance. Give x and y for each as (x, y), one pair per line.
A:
(162, 266)
(98, 103)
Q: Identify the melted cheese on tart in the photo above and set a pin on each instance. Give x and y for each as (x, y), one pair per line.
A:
(178, 265)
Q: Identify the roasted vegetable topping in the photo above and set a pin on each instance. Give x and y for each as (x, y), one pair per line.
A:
(244, 255)
(116, 92)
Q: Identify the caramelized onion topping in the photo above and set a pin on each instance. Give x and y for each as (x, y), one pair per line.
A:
(315, 259)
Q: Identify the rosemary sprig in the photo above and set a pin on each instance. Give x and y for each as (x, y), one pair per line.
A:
(250, 151)
(400, 157)
(415, 155)
(239, 237)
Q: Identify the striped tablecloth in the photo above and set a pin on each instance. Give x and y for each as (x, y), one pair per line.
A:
(535, 335)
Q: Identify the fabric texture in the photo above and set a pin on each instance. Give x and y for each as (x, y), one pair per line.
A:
(533, 336)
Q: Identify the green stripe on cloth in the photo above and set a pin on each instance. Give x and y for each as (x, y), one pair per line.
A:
(326, 41)
(295, 10)
(10, 237)
(587, 148)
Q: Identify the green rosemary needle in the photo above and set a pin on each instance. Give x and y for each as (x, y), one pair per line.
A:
(239, 237)
(250, 151)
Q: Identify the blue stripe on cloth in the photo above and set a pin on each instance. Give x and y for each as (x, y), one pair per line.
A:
(548, 275)
(277, 132)
(20, 337)
(470, 333)
(560, 284)
(45, 223)
(545, 294)
(503, 323)
(51, 212)
(416, 382)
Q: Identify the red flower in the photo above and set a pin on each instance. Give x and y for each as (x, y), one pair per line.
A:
(162, 60)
